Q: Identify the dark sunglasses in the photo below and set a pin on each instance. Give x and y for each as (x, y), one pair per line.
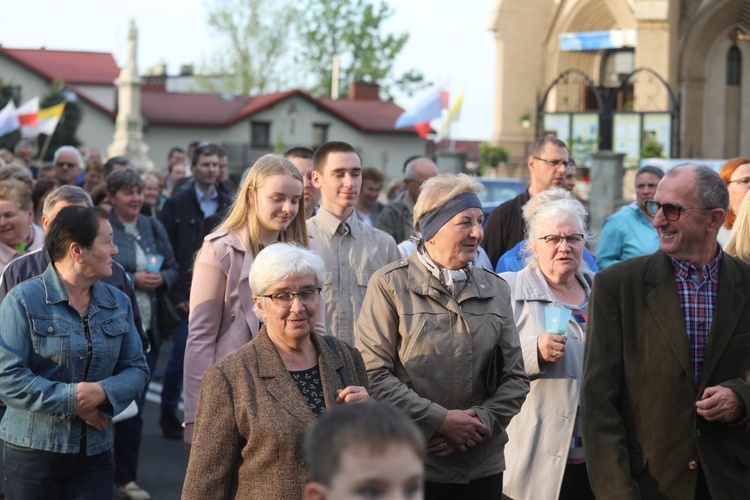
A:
(671, 211)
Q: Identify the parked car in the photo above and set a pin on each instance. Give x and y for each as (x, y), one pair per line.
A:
(498, 190)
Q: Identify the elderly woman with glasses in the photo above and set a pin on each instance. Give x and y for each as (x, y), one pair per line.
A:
(439, 341)
(545, 457)
(256, 403)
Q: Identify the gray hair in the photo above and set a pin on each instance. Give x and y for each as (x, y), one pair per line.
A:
(123, 179)
(530, 208)
(538, 145)
(282, 261)
(68, 149)
(22, 144)
(69, 194)
(554, 211)
(710, 190)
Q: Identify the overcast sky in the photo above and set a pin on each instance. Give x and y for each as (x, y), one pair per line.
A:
(449, 41)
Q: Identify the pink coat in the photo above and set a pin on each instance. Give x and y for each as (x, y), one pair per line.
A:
(221, 309)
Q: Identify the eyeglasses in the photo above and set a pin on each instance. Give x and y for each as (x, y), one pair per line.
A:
(745, 181)
(554, 163)
(556, 239)
(285, 299)
(65, 164)
(671, 211)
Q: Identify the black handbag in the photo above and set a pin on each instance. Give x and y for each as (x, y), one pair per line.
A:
(494, 370)
(167, 316)
(342, 371)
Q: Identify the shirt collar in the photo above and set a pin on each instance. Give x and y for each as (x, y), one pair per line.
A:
(330, 223)
(201, 197)
(710, 270)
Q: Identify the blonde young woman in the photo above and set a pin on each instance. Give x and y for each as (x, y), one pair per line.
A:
(221, 303)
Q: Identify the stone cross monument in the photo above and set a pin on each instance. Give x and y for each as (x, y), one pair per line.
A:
(128, 138)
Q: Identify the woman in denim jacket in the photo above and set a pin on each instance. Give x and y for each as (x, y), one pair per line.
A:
(70, 358)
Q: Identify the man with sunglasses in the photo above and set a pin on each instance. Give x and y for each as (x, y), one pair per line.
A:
(548, 161)
(67, 162)
(666, 379)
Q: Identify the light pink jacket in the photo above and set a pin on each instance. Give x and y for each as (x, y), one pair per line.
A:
(221, 309)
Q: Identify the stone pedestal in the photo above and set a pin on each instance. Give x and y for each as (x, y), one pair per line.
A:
(128, 137)
(606, 186)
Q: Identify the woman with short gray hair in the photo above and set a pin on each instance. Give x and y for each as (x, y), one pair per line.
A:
(545, 457)
(256, 403)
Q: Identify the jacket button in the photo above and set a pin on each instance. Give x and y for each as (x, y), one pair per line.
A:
(698, 432)
(693, 465)
(50, 328)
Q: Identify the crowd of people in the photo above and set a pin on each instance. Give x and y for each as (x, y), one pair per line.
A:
(331, 342)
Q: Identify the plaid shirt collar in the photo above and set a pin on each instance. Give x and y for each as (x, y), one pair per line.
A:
(709, 270)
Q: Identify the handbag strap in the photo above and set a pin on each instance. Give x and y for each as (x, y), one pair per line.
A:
(342, 371)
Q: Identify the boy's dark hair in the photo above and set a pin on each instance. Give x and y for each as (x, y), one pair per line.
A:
(299, 152)
(370, 424)
(321, 154)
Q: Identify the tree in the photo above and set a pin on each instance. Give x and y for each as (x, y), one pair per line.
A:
(256, 34)
(491, 156)
(65, 133)
(352, 29)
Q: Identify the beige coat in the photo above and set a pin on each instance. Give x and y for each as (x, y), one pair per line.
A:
(539, 436)
(251, 422)
(221, 308)
(426, 353)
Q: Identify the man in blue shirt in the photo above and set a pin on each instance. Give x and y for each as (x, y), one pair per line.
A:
(629, 232)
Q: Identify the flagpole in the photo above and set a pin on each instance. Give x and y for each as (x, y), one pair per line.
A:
(44, 149)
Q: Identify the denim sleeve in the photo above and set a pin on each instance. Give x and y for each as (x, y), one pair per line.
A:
(130, 373)
(20, 387)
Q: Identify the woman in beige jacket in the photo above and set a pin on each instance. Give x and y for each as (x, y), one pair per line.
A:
(545, 456)
(428, 328)
(221, 312)
(256, 404)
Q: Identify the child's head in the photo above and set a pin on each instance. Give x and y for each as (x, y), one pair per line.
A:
(365, 450)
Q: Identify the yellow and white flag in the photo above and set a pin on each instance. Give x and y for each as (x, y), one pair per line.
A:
(453, 114)
(46, 121)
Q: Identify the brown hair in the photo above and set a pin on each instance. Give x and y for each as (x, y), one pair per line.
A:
(321, 155)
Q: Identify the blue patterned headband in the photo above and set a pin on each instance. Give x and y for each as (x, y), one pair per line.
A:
(433, 220)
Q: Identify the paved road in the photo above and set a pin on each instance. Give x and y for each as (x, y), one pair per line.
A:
(162, 465)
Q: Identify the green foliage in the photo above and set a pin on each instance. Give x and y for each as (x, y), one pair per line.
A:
(352, 29)
(652, 149)
(490, 156)
(65, 133)
(255, 34)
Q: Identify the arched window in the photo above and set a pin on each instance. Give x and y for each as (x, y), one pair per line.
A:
(734, 66)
